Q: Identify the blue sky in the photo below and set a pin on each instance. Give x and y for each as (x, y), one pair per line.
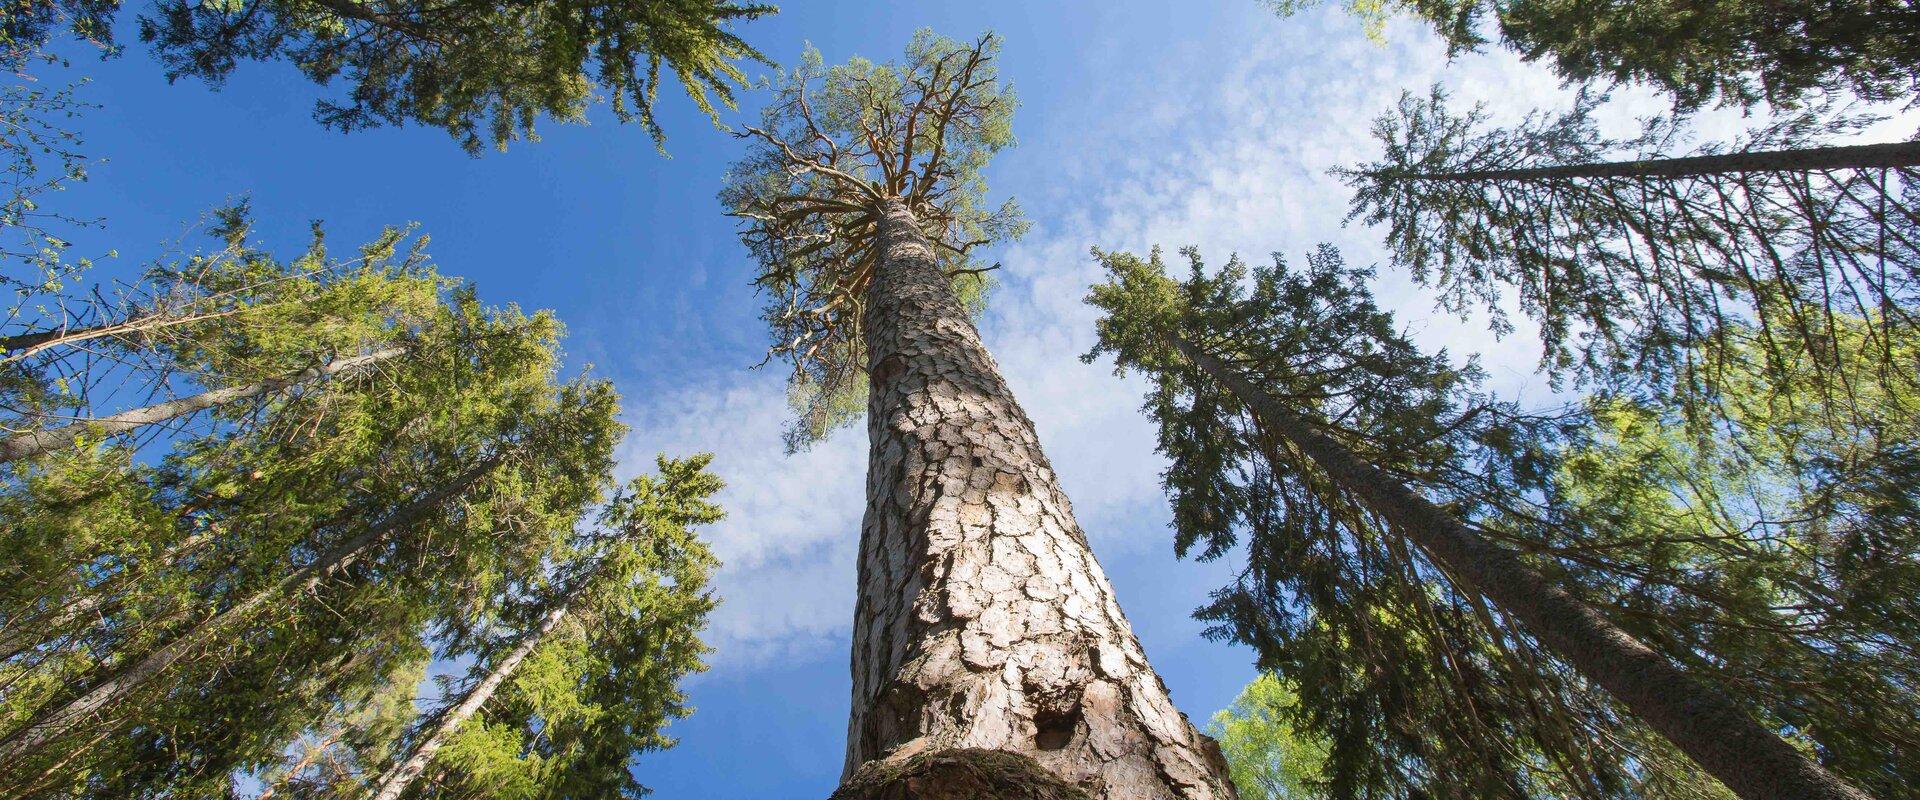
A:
(1208, 123)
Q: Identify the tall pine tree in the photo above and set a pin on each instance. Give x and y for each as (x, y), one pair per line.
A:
(989, 656)
(1362, 468)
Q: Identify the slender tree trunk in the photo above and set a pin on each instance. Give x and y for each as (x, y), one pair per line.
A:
(1709, 727)
(402, 775)
(24, 635)
(51, 725)
(23, 638)
(983, 622)
(1864, 156)
(32, 342)
(36, 442)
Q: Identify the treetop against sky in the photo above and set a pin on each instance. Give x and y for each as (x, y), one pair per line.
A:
(1139, 124)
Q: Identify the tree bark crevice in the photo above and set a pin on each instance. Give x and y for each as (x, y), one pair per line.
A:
(983, 621)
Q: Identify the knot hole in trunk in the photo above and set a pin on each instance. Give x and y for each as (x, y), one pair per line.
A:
(1054, 724)
(887, 369)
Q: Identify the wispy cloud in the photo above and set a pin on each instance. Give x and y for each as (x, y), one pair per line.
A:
(1225, 145)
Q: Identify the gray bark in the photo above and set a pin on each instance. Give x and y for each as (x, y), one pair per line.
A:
(1864, 156)
(139, 327)
(1708, 726)
(403, 774)
(51, 725)
(34, 443)
(983, 621)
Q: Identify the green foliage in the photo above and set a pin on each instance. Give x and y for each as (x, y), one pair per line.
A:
(1739, 52)
(29, 26)
(1268, 759)
(483, 70)
(1633, 279)
(1412, 684)
(1775, 554)
(118, 556)
(601, 689)
(1763, 549)
(833, 148)
(39, 148)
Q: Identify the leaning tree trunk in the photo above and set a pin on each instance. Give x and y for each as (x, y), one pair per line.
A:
(1864, 156)
(984, 633)
(140, 326)
(51, 725)
(403, 774)
(34, 443)
(1708, 726)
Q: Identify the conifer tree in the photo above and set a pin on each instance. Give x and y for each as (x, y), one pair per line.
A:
(1361, 467)
(1739, 52)
(989, 656)
(1635, 263)
(286, 556)
(624, 626)
(484, 71)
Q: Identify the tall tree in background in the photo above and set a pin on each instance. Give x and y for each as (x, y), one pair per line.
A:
(596, 678)
(1293, 405)
(1635, 263)
(485, 71)
(287, 556)
(986, 640)
(1269, 758)
(1739, 52)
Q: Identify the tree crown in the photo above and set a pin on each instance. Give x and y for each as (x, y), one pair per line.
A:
(833, 149)
(483, 70)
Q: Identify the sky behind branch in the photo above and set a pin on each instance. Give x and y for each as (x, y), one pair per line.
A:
(1141, 123)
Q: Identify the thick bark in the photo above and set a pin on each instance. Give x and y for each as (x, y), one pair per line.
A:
(983, 621)
(1864, 156)
(1709, 727)
(403, 774)
(957, 775)
(34, 443)
(53, 724)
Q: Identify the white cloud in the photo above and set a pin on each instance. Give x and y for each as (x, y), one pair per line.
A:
(1220, 144)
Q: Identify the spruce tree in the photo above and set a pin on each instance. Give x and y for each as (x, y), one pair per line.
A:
(1739, 52)
(1360, 467)
(561, 709)
(484, 71)
(286, 556)
(1635, 262)
(989, 656)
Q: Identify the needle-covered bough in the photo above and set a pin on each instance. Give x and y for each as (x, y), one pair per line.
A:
(832, 151)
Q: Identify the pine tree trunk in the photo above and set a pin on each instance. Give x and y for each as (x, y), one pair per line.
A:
(1709, 727)
(49, 726)
(1865, 156)
(36, 442)
(983, 621)
(403, 774)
